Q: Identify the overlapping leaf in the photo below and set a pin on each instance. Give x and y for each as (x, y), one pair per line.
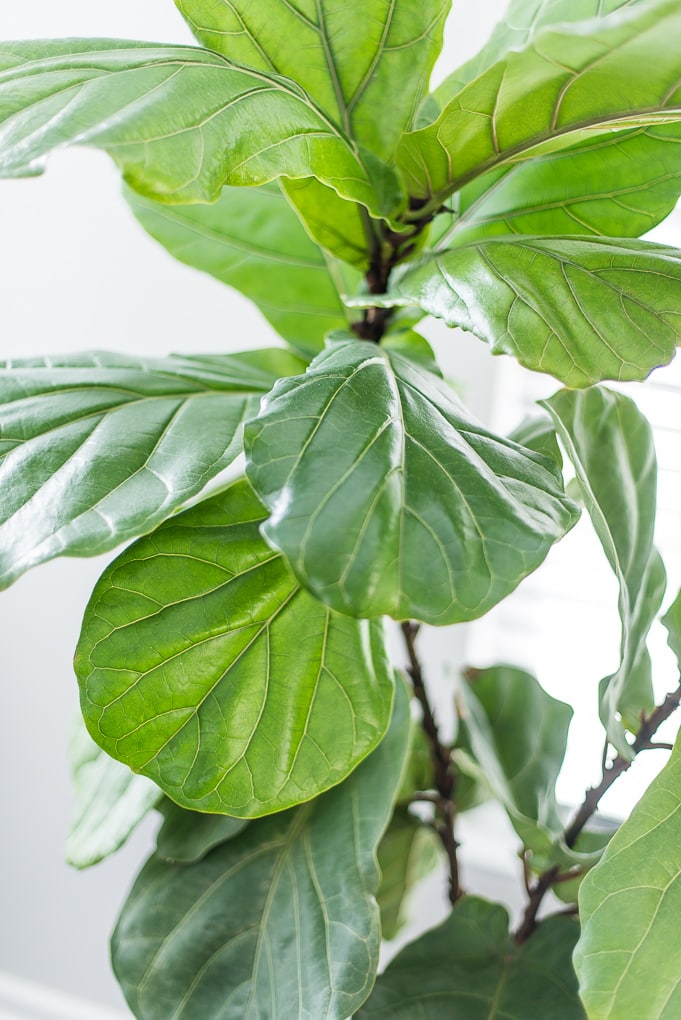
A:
(368, 71)
(470, 967)
(337, 226)
(251, 239)
(386, 498)
(280, 921)
(407, 853)
(188, 836)
(111, 801)
(203, 665)
(571, 82)
(180, 121)
(98, 448)
(672, 622)
(580, 309)
(611, 446)
(627, 958)
(517, 733)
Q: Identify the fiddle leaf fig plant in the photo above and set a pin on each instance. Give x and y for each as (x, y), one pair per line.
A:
(234, 663)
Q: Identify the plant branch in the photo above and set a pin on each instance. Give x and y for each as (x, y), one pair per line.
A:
(592, 798)
(443, 766)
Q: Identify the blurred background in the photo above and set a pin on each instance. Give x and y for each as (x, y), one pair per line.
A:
(78, 273)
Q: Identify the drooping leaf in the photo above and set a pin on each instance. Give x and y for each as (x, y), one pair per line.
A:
(280, 921)
(408, 851)
(110, 801)
(517, 733)
(581, 309)
(336, 225)
(386, 498)
(610, 444)
(203, 665)
(672, 622)
(180, 121)
(187, 836)
(572, 82)
(368, 71)
(251, 239)
(627, 958)
(469, 967)
(98, 448)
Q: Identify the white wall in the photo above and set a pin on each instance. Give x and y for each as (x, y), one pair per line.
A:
(76, 273)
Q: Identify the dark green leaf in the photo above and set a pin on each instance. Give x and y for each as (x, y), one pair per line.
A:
(517, 733)
(98, 448)
(187, 836)
(571, 83)
(469, 967)
(367, 70)
(251, 239)
(111, 801)
(580, 309)
(408, 851)
(280, 921)
(203, 665)
(627, 958)
(386, 498)
(179, 121)
(672, 621)
(611, 446)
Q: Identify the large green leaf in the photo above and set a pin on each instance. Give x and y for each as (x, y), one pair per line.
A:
(98, 448)
(368, 71)
(571, 83)
(386, 498)
(517, 733)
(188, 836)
(581, 309)
(251, 239)
(408, 851)
(279, 922)
(111, 801)
(179, 121)
(342, 228)
(469, 967)
(203, 665)
(611, 446)
(627, 958)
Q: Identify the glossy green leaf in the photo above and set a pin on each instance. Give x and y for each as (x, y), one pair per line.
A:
(538, 433)
(368, 71)
(517, 733)
(179, 121)
(571, 82)
(110, 801)
(187, 836)
(469, 967)
(98, 448)
(627, 958)
(203, 665)
(280, 921)
(581, 309)
(672, 622)
(251, 239)
(337, 226)
(386, 498)
(611, 446)
(408, 851)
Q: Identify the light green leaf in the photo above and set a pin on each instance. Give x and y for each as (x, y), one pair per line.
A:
(627, 958)
(367, 70)
(280, 921)
(386, 498)
(611, 446)
(469, 967)
(251, 239)
(517, 733)
(672, 622)
(179, 121)
(619, 185)
(571, 82)
(111, 801)
(203, 665)
(581, 309)
(187, 836)
(538, 433)
(408, 851)
(337, 226)
(98, 448)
